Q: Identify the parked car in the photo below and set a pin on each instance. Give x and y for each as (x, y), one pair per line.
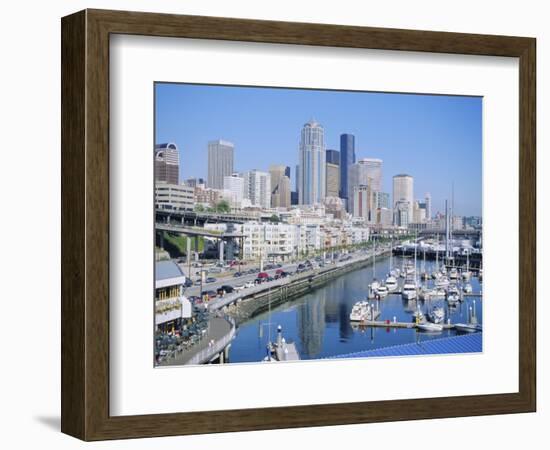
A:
(249, 284)
(211, 280)
(237, 275)
(188, 282)
(239, 287)
(263, 275)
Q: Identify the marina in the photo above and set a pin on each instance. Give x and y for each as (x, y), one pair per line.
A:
(322, 324)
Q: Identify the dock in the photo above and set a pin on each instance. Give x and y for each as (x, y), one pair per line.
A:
(390, 324)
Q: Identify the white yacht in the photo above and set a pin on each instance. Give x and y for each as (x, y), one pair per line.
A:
(442, 282)
(467, 327)
(359, 311)
(391, 283)
(409, 291)
(437, 314)
(382, 291)
(373, 288)
(453, 274)
(430, 327)
(453, 294)
(467, 288)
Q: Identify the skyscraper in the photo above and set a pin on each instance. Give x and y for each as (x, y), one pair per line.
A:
(280, 186)
(428, 200)
(333, 157)
(374, 172)
(347, 158)
(362, 202)
(257, 188)
(403, 191)
(312, 174)
(333, 173)
(220, 162)
(167, 163)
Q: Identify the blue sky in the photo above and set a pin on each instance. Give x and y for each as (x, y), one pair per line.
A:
(436, 139)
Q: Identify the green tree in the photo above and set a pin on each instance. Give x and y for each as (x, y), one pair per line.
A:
(223, 207)
(274, 218)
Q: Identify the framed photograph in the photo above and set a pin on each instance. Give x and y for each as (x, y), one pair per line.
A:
(273, 225)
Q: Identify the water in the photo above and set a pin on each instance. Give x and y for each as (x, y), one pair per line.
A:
(319, 321)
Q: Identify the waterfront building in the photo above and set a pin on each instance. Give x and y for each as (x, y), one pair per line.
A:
(428, 203)
(235, 185)
(257, 188)
(362, 202)
(312, 173)
(280, 186)
(220, 162)
(172, 309)
(333, 178)
(403, 190)
(167, 163)
(268, 241)
(347, 158)
(174, 196)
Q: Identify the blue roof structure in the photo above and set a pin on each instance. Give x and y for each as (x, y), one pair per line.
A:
(467, 343)
(165, 270)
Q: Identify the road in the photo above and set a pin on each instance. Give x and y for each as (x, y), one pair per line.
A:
(232, 281)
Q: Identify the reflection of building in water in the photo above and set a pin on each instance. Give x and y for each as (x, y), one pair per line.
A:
(331, 304)
(311, 323)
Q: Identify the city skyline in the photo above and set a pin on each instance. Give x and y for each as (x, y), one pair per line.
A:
(265, 125)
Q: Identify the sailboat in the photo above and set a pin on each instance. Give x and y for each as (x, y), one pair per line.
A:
(391, 280)
(375, 284)
(467, 274)
(410, 287)
(424, 275)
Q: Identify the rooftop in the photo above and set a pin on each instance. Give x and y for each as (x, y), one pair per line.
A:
(466, 343)
(165, 270)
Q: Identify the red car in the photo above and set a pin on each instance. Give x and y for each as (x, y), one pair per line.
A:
(263, 275)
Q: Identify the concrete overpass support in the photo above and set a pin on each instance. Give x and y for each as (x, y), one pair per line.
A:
(188, 252)
(222, 249)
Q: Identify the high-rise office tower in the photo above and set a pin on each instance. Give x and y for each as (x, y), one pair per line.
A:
(280, 186)
(374, 172)
(333, 173)
(312, 173)
(221, 155)
(333, 157)
(167, 163)
(362, 202)
(347, 158)
(403, 191)
(428, 201)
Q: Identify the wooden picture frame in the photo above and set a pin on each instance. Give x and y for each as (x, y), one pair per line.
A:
(85, 224)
